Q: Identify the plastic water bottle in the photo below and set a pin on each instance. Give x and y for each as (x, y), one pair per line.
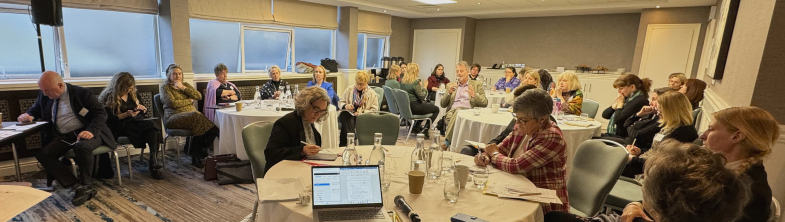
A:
(350, 154)
(257, 98)
(435, 155)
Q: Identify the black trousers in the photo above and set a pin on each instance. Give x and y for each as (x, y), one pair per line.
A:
(201, 143)
(50, 154)
(348, 124)
(421, 108)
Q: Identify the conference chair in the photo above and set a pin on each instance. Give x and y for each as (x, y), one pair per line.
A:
(255, 137)
(590, 107)
(176, 133)
(595, 169)
(402, 99)
(380, 93)
(369, 124)
(696, 116)
(390, 100)
(70, 155)
(625, 191)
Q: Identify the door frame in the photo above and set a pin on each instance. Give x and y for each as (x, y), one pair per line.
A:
(458, 47)
(696, 27)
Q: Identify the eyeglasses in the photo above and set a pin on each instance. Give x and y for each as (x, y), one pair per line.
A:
(317, 111)
(520, 119)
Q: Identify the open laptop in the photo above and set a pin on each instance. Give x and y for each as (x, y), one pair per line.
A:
(347, 194)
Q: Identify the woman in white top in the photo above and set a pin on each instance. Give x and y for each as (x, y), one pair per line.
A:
(356, 100)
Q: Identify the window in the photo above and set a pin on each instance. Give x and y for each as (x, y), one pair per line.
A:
(263, 48)
(213, 43)
(370, 50)
(102, 43)
(19, 56)
(313, 45)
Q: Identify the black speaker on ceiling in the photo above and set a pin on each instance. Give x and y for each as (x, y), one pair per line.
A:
(47, 12)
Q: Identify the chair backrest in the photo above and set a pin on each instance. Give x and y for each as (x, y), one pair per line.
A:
(402, 99)
(158, 108)
(390, 100)
(775, 210)
(696, 115)
(595, 170)
(590, 107)
(380, 93)
(370, 123)
(255, 137)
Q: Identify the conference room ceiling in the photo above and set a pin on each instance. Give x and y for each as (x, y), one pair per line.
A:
(509, 8)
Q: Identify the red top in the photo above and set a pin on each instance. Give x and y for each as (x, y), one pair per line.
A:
(432, 82)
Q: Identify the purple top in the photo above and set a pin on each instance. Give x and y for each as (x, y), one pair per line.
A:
(512, 84)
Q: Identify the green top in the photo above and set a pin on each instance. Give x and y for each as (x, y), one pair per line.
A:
(393, 84)
(415, 90)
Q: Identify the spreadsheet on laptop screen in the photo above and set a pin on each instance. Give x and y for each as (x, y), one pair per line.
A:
(346, 186)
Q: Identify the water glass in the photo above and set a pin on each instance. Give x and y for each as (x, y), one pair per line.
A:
(584, 117)
(560, 115)
(387, 175)
(480, 177)
(477, 111)
(451, 190)
(447, 164)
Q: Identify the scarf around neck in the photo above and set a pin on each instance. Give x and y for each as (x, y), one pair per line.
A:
(358, 98)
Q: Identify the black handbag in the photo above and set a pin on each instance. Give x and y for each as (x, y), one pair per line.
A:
(234, 172)
(330, 64)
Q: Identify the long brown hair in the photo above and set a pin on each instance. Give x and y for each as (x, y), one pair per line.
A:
(759, 127)
(116, 88)
(644, 85)
(695, 89)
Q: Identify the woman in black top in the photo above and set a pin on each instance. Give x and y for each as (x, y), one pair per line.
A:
(675, 114)
(642, 126)
(270, 88)
(633, 95)
(124, 117)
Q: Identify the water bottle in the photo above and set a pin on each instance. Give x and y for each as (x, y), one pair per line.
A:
(418, 161)
(280, 92)
(554, 108)
(377, 154)
(296, 91)
(559, 115)
(349, 154)
(287, 96)
(257, 98)
(435, 155)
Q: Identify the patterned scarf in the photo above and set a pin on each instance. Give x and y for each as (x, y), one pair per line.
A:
(358, 99)
(612, 123)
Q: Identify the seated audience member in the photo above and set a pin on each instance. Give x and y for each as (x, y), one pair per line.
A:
(633, 94)
(394, 78)
(528, 78)
(642, 126)
(746, 135)
(78, 124)
(475, 73)
(676, 122)
(437, 77)
(462, 94)
(684, 182)
(676, 80)
(293, 129)
(417, 93)
(403, 65)
(219, 90)
(179, 113)
(535, 149)
(319, 76)
(510, 80)
(123, 109)
(568, 90)
(271, 89)
(472, 150)
(356, 100)
(546, 80)
(693, 89)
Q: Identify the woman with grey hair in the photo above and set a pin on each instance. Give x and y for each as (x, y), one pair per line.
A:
(535, 149)
(270, 88)
(294, 136)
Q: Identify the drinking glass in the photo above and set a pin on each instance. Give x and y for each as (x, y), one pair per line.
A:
(560, 115)
(480, 177)
(447, 164)
(507, 90)
(451, 189)
(584, 117)
(389, 172)
(477, 111)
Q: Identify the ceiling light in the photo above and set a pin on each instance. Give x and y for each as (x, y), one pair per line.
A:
(658, 6)
(385, 10)
(438, 9)
(437, 2)
(478, 3)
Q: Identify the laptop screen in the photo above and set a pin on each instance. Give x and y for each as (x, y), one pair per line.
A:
(341, 186)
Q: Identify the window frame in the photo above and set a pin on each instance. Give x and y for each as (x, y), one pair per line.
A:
(289, 52)
(385, 50)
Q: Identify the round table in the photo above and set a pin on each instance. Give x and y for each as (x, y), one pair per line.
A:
(232, 123)
(496, 98)
(489, 125)
(430, 205)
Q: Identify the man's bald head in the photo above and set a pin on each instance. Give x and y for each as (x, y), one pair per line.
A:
(51, 84)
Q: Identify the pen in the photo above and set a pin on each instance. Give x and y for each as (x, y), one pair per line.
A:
(303, 142)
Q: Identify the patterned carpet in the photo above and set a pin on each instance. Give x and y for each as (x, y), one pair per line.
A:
(182, 196)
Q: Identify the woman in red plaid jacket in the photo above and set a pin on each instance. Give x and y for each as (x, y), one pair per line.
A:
(535, 149)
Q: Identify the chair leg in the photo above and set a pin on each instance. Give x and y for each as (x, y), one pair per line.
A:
(190, 143)
(73, 167)
(117, 163)
(177, 148)
(163, 152)
(128, 157)
(410, 130)
(255, 207)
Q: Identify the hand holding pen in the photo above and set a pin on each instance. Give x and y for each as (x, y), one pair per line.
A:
(310, 149)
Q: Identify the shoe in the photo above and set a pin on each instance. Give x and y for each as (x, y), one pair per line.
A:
(156, 173)
(197, 162)
(83, 194)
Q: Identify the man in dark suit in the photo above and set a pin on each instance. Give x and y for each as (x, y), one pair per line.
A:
(78, 123)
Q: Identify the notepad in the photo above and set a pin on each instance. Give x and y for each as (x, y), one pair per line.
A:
(476, 144)
(323, 156)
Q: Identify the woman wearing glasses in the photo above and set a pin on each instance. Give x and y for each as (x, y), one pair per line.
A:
(294, 136)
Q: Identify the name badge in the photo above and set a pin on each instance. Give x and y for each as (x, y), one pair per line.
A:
(659, 137)
(83, 112)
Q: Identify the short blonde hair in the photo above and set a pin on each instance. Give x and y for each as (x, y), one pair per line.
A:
(676, 110)
(572, 79)
(393, 71)
(274, 67)
(412, 72)
(679, 75)
(323, 71)
(361, 77)
(534, 75)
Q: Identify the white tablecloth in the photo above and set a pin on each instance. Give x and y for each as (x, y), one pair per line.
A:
(496, 98)
(489, 125)
(232, 123)
(430, 205)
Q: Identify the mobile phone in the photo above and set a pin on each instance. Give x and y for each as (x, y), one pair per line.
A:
(25, 123)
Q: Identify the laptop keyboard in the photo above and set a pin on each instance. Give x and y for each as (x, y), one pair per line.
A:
(337, 215)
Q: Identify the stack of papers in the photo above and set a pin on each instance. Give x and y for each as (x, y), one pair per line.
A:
(8, 133)
(25, 127)
(513, 191)
(581, 124)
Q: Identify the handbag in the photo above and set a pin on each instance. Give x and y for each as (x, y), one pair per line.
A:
(211, 162)
(234, 172)
(330, 64)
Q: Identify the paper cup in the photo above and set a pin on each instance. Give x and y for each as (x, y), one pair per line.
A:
(495, 108)
(461, 175)
(238, 106)
(416, 181)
